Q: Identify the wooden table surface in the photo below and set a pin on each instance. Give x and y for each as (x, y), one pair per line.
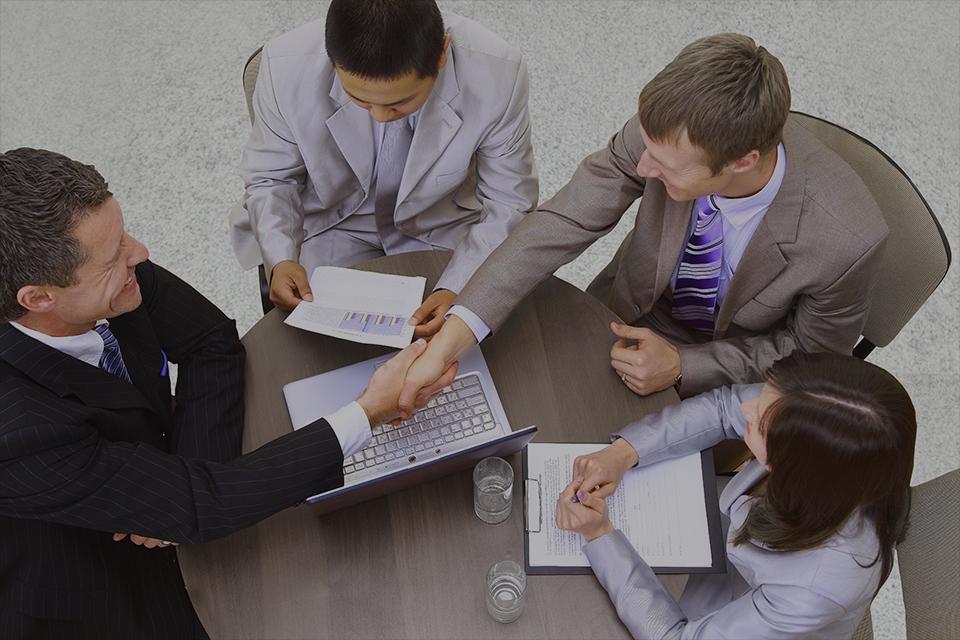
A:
(412, 564)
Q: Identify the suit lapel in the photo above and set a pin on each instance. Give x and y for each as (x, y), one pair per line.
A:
(352, 130)
(438, 123)
(145, 361)
(760, 264)
(66, 375)
(763, 260)
(673, 236)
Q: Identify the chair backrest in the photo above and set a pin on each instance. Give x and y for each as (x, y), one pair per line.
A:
(917, 254)
(929, 560)
(864, 630)
(250, 71)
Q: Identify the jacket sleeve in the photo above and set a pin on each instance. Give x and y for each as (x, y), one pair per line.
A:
(62, 470)
(507, 186)
(830, 319)
(203, 342)
(693, 425)
(774, 611)
(66, 473)
(587, 208)
(274, 174)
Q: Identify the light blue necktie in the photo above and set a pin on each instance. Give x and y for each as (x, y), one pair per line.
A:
(390, 164)
(111, 360)
(698, 279)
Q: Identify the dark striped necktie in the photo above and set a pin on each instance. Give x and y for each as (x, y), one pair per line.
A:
(698, 279)
(111, 360)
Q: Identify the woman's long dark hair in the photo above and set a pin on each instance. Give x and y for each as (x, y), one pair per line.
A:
(840, 439)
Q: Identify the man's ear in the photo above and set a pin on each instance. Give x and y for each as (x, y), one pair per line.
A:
(443, 54)
(746, 162)
(35, 298)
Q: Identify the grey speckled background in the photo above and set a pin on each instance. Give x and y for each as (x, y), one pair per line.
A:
(150, 92)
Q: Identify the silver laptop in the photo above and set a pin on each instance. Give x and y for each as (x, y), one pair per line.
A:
(464, 423)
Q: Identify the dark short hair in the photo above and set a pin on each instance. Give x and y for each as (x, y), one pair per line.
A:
(43, 196)
(730, 95)
(385, 39)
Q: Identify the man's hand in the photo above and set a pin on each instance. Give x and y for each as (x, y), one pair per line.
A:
(601, 472)
(647, 366)
(454, 338)
(430, 316)
(586, 516)
(289, 285)
(149, 543)
(379, 399)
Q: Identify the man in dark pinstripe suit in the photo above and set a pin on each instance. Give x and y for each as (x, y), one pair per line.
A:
(91, 448)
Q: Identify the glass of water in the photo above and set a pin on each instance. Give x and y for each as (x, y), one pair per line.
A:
(492, 490)
(506, 586)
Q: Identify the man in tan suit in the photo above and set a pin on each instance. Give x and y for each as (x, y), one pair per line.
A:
(386, 128)
(752, 239)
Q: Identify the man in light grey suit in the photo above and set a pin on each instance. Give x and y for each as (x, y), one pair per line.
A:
(390, 128)
(752, 239)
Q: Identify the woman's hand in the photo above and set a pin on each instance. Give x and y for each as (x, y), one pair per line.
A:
(601, 472)
(586, 516)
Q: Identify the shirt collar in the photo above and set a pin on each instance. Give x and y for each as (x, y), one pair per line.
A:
(87, 347)
(739, 211)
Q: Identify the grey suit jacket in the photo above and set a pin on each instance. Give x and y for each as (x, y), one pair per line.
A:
(803, 282)
(819, 592)
(468, 180)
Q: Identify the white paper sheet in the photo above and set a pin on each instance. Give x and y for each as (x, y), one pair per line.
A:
(661, 509)
(371, 308)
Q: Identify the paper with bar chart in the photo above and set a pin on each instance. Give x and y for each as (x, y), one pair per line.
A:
(372, 308)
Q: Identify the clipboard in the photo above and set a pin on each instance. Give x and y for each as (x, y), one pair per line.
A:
(533, 494)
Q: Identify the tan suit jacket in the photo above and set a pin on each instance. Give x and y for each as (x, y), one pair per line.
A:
(803, 282)
(308, 165)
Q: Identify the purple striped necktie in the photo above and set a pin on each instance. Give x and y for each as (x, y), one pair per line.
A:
(111, 360)
(695, 294)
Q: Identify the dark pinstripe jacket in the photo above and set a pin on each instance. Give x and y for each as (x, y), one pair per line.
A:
(84, 454)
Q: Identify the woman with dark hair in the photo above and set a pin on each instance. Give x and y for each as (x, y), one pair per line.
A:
(810, 523)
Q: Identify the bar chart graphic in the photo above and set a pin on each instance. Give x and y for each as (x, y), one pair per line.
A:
(374, 323)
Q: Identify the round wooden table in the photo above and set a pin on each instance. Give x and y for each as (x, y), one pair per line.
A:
(412, 564)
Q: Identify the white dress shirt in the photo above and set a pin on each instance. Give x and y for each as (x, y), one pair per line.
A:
(349, 423)
(740, 216)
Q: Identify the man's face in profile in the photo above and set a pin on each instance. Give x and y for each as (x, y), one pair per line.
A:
(681, 167)
(105, 285)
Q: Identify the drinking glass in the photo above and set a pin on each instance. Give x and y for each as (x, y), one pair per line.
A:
(492, 490)
(506, 586)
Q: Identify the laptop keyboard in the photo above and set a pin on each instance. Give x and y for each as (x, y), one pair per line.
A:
(459, 412)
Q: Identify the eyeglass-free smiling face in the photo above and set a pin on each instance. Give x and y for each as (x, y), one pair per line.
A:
(105, 285)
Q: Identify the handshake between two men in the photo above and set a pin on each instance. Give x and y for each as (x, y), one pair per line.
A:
(644, 361)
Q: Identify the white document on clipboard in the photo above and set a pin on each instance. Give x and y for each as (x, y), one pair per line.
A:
(365, 307)
(660, 508)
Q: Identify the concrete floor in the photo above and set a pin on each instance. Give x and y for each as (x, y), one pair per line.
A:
(150, 92)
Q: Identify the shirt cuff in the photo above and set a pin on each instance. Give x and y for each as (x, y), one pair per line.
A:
(477, 326)
(352, 428)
